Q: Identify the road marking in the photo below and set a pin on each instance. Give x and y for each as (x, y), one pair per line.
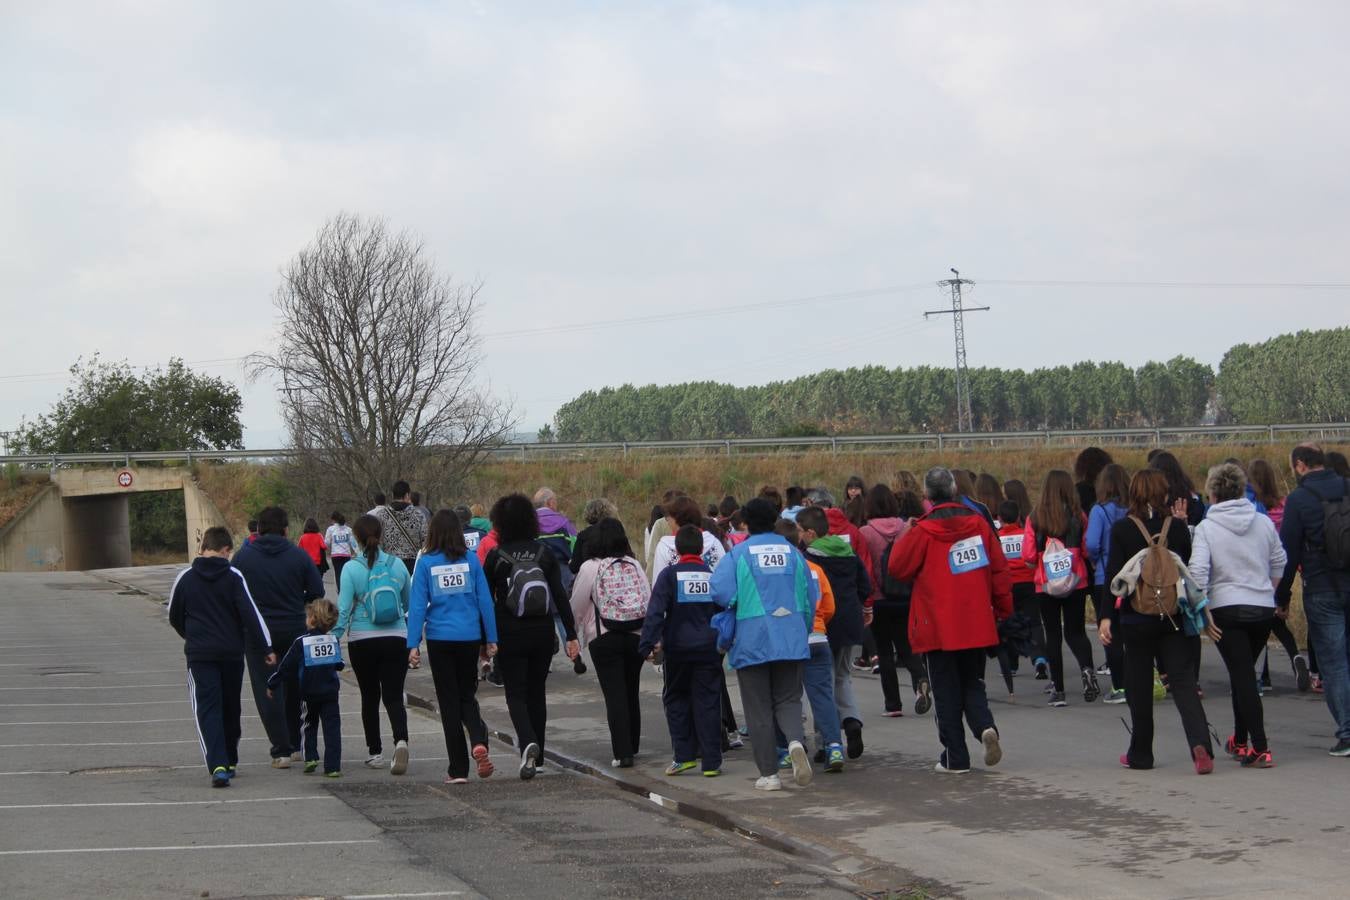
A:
(164, 803)
(194, 766)
(186, 719)
(120, 703)
(144, 743)
(94, 687)
(179, 847)
(395, 896)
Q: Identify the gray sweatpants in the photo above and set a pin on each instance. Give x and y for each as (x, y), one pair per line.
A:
(772, 692)
(843, 684)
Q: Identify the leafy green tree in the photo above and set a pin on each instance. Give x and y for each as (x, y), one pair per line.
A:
(110, 407)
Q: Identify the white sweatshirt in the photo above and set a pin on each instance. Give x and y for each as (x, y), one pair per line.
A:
(1235, 555)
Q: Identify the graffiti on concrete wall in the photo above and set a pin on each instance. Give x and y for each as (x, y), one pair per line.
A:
(43, 557)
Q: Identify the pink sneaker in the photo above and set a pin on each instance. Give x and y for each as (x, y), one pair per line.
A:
(1204, 763)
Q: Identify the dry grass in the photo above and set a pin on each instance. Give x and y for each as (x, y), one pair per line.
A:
(144, 557)
(17, 493)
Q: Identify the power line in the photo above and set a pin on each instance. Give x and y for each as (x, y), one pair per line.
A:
(1256, 285)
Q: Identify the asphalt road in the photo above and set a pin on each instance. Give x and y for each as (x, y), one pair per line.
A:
(103, 793)
(1058, 817)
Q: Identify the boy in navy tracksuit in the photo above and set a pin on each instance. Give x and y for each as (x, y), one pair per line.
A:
(314, 660)
(211, 609)
(679, 619)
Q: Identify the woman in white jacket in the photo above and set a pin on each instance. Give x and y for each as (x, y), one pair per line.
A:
(609, 603)
(1237, 558)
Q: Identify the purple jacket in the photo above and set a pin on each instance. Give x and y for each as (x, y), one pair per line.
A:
(551, 522)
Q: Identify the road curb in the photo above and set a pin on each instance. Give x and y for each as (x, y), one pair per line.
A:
(775, 839)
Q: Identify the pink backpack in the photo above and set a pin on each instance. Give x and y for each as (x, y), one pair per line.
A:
(621, 596)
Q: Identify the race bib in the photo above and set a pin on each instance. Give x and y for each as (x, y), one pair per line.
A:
(694, 587)
(450, 579)
(321, 650)
(967, 555)
(1057, 565)
(471, 540)
(772, 559)
(1012, 545)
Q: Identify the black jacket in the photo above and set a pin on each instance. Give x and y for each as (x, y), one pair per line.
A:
(683, 628)
(497, 568)
(282, 579)
(210, 608)
(1126, 541)
(851, 587)
(1301, 534)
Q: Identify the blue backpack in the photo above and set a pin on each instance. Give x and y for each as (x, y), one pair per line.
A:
(383, 594)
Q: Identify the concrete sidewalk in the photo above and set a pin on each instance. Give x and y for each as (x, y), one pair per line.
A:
(1058, 817)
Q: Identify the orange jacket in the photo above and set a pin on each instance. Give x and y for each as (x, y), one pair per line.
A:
(825, 608)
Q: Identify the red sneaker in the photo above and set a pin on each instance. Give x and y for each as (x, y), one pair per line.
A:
(480, 756)
(1261, 760)
(1204, 763)
(1235, 750)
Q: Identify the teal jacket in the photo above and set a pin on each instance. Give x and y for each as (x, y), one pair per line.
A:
(354, 613)
(767, 582)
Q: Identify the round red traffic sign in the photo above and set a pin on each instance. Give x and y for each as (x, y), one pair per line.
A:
(124, 478)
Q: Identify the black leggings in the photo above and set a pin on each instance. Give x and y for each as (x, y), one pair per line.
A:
(890, 626)
(618, 667)
(381, 667)
(1279, 628)
(1161, 639)
(1245, 632)
(522, 661)
(454, 671)
(1071, 610)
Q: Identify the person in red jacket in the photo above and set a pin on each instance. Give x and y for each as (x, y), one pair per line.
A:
(1011, 534)
(962, 590)
(1061, 578)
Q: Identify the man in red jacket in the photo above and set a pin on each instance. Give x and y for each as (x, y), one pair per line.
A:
(962, 590)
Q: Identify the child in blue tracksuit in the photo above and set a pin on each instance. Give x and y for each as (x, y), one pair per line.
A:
(314, 659)
(679, 620)
(211, 609)
(1112, 498)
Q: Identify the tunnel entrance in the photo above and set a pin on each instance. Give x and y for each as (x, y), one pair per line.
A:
(97, 532)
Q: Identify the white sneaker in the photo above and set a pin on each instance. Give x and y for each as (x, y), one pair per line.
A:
(768, 783)
(529, 761)
(400, 763)
(801, 766)
(297, 756)
(281, 762)
(375, 762)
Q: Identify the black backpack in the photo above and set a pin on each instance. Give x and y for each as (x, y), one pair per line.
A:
(1336, 528)
(893, 590)
(527, 595)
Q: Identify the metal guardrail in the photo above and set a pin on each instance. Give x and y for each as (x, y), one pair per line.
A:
(865, 443)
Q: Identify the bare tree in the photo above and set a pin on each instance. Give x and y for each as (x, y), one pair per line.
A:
(377, 362)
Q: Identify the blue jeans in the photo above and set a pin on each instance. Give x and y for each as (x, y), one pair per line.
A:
(1328, 625)
(818, 682)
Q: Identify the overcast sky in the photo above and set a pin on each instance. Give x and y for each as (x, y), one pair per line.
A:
(160, 161)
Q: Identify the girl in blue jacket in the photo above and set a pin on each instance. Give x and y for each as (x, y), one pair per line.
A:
(1113, 494)
(451, 602)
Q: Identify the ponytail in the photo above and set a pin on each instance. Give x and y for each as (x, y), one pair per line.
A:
(368, 530)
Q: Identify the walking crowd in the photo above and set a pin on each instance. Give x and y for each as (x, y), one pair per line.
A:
(794, 591)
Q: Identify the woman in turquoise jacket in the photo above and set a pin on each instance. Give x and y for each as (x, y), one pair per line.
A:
(372, 610)
(452, 603)
(767, 582)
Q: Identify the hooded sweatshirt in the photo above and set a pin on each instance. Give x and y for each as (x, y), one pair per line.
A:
(879, 534)
(848, 582)
(1236, 555)
(281, 578)
(553, 522)
(842, 527)
(961, 584)
(210, 608)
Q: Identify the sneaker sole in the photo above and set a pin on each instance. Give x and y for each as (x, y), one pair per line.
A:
(484, 761)
(400, 763)
(924, 701)
(1204, 763)
(801, 766)
(993, 752)
(855, 740)
(529, 762)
